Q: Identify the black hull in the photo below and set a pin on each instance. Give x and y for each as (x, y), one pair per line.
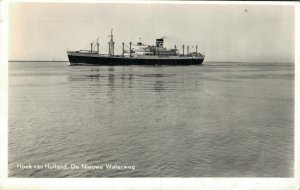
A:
(101, 60)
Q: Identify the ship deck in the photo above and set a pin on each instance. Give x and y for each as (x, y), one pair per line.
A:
(184, 57)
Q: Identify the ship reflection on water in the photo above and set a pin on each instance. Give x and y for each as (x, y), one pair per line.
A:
(124, 77)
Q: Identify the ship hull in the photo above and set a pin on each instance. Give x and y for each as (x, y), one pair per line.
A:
(96, 59)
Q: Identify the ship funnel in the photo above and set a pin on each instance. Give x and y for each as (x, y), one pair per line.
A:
(160, 42)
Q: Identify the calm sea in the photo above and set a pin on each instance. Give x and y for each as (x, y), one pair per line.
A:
(214, 120)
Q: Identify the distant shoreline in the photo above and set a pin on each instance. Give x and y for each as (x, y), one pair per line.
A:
(34, 61)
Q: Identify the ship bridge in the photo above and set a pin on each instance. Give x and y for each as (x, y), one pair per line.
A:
(141, 49)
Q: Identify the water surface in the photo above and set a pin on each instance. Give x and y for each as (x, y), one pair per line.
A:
(214, 120)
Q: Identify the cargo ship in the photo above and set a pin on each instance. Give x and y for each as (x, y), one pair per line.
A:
(138, 54)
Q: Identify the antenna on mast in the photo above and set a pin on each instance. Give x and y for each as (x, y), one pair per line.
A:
(111, 35)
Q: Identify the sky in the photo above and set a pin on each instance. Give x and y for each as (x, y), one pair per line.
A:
(238, 33)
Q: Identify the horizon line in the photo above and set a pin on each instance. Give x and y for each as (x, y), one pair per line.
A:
(204, 61)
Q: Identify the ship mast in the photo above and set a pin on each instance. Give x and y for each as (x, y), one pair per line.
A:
(111, 43)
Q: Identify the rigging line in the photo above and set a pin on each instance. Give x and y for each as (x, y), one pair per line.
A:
(120, 49)
(95, 44)
(126, 46)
